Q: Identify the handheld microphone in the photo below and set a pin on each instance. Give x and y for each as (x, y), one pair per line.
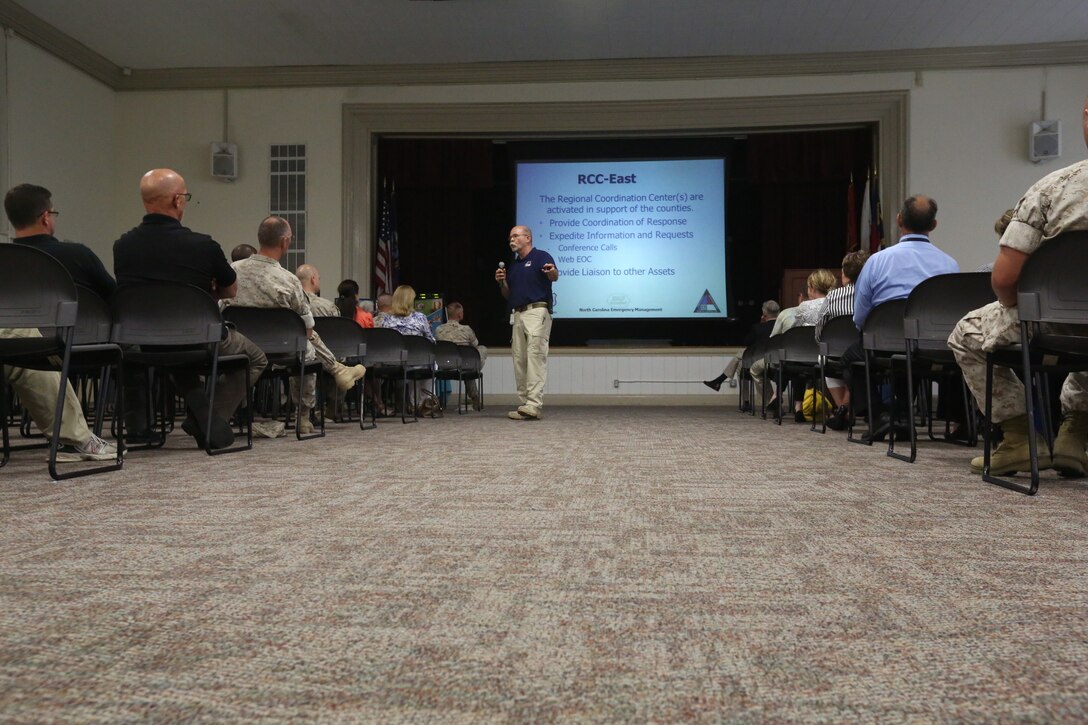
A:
(502, 265)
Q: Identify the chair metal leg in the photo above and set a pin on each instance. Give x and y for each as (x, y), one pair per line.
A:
(1031, 488)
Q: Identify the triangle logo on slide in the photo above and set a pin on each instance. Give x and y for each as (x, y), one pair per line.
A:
(706, 303)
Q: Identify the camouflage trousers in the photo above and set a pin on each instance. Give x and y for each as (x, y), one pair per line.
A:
(315, 350)
(984, 330)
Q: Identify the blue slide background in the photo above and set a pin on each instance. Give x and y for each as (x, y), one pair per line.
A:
(549, 199)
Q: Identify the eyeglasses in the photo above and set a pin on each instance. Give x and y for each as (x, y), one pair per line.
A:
(188, 196)
(53, 212)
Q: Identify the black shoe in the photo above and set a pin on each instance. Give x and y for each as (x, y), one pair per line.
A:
(142, 438)
(746, 407)
(798, 416)
(839, 419)
(880, 432)
(219, 436)
(713, 385)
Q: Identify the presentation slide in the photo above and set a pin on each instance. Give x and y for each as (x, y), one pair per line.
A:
(631, 239)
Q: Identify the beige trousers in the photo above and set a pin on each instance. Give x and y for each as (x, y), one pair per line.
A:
(532, 330)
(37, 391)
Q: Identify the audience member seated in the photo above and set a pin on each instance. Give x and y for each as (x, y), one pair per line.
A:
(30, 210)
(403, 318)
(454, 331)
(263, 282)
(347, 301)
(891, 274)
(384, 304)
(806, 314)
(242, 251)
(310, 279)
(1055, 204)
(160, 249)
(759, 332)
(839, 302)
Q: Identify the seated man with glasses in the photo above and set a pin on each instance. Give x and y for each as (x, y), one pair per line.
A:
(160, 249)
(31, 213)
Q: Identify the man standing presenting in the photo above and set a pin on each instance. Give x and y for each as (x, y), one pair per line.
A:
(528, 290)
(160, 249)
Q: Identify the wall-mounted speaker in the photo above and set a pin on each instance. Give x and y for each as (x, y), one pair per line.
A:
(1044, 140)
(224, 161)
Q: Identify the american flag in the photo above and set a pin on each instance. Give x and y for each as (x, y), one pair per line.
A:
(383, 260)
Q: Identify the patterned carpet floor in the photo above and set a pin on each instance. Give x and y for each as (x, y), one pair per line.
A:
(602, 564)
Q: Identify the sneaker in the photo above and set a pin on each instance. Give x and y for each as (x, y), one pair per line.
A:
(269, 429)
(521, 415)
(95, 449)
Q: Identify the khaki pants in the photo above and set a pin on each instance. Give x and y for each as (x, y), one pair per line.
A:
(37, 391)
(532, 330)
(315, 350)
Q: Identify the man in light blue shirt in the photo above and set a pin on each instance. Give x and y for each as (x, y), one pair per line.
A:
(892, 273)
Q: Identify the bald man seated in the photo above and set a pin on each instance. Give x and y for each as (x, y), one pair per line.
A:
(160, 249)
(263, 282)
(310, 279)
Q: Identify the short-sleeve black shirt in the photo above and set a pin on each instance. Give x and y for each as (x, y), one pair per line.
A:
(83, 264)
(162, 250)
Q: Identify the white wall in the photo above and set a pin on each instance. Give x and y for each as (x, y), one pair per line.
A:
(61, 136)
(969, 147)
(967, 141)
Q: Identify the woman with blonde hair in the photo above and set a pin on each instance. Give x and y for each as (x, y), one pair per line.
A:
(403, 317)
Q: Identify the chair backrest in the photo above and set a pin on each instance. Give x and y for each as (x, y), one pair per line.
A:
(341, 335)
(937, 304)
(837, 335)
(470, 360)
(93, 320)
(37, 290)
(883, 330)
(165, 314)
(1053, 286)
(795, 345)
(383, 347)
(420, 351)
(278, 331)
(447, 355)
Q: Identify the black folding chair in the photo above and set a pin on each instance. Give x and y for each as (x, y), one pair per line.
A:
(39, 293)
(281, 335)
(838, 334)
(795, 354)
(345, 339)
(94, 357)
(881, 338)
(447, 360)
(747, 394)
(385, 357)
(932, 311)
(472, 368)
(1052, 302)
(420, 364)
(173, 327)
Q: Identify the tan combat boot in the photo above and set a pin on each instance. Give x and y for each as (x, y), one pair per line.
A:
(1013, 454)
(305, 426)
(1069, 456)
(346, 377)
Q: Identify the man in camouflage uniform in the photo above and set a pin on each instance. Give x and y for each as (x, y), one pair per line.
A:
(454, 331)
(1057, 203)
(310, 279)
(262, 282)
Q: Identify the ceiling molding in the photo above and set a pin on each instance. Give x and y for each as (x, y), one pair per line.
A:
(35, 30)
(630, 69)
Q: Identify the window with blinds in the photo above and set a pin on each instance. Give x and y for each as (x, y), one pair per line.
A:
(287, 197)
